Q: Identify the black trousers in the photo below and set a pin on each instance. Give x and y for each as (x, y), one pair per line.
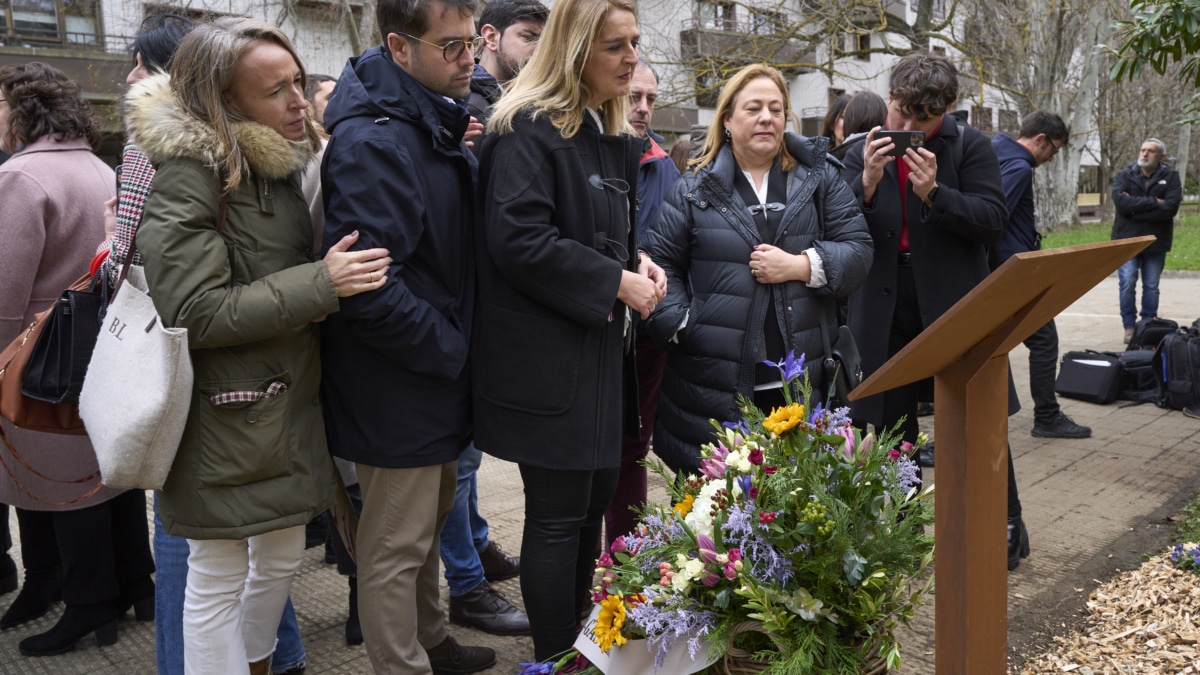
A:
(103, 550)
(1043, 365)
(564, 516)
(902, 401)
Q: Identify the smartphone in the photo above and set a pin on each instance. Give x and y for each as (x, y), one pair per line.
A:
(903, 140)
(118, 171)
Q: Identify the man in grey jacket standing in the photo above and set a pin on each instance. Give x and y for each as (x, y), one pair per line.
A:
(1147, 194)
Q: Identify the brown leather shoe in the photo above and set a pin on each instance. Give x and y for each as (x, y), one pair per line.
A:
(451, 658)
(496, 565)
(484, 608)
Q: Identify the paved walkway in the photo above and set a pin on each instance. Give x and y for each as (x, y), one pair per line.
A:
(1079, 496)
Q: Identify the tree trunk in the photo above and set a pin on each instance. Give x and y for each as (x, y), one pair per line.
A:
(1181, 163)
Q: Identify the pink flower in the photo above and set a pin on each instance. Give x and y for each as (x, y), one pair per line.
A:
(730, 570)
(735, 554)
(598, 597)
(618, 545)
(769, 470)
(756, 457)
(605, 561)
(753, 493)
(708, 552)
(906, 447)
(894, 454)
(720, 452)
(847, 432)
(710, 579)
(712, 468)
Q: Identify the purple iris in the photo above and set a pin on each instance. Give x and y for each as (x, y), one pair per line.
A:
(790, 367)
(745, 483)
(534, 668)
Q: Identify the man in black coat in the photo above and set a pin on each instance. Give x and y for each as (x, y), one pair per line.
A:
(1042, 135)
(1147, 194)
(510, 29)
(932, 213)
(395, 373)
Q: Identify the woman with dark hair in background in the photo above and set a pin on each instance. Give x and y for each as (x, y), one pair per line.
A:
(831, 128)
(864, 111)
(81, 541)
(681, 152)
(758, 242)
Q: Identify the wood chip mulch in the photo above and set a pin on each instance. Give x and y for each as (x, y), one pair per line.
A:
(1144, 621)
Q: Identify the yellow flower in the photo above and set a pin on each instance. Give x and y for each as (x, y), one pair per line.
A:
(782, 419)
(609, 623)
(685, 507)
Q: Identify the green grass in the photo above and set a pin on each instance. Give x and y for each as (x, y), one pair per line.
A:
(1187, 522)
(1185, 248)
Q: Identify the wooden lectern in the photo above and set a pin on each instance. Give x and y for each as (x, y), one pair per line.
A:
(966, 352)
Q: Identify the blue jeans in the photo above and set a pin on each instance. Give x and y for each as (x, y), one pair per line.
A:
(170, 581)
(1151, 264)
(465, 533)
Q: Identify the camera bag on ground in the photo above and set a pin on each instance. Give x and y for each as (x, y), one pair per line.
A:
(1149, 332)
(1177, 370)
(1089, 376)
(1137, 376)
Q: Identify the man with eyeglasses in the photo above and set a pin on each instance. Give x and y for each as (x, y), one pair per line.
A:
(509, 31)
(1041, 136)
(396, 384)
(1147, 194)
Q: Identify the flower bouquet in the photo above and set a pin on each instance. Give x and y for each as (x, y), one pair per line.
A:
(799, 549)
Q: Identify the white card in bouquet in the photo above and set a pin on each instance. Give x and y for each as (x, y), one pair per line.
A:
(635, 657)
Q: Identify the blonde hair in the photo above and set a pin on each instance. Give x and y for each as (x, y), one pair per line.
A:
(551, 83)
(715, 139)
(202, 76)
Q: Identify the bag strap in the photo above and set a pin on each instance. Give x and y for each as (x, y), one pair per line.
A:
(222, 208)
(95, 475)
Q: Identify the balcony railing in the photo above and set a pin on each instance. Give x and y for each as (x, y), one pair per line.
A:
(758, 39)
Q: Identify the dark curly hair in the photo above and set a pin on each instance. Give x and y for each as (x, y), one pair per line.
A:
(924, 85)
(43, 100)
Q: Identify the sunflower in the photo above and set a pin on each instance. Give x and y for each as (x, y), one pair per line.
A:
(782, 419)
(684, 507)
(609, 623)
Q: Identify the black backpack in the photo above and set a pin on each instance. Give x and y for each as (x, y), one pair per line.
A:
(1149, 332)
(1177, 370)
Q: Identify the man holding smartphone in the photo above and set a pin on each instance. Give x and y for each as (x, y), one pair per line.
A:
(932, 213)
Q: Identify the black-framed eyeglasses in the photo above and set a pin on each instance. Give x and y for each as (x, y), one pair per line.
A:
(452, 50)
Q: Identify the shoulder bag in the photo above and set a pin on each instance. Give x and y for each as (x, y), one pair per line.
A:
(60, 355)
(138, 389)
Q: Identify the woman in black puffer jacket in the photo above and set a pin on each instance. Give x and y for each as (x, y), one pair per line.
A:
(758, 241)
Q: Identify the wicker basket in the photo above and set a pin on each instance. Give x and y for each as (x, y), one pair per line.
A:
(741, 662)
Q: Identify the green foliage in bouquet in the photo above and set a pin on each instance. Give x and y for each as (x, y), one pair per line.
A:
(796, 522)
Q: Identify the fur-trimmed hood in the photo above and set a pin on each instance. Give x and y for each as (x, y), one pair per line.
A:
(160, 127)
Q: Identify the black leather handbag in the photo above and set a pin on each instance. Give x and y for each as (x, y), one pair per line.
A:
(841, 365)
(60, 356)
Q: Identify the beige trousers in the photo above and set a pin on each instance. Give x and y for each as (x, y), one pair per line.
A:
(398, 532)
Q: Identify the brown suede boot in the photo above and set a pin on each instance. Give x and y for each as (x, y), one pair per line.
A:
(261, 667)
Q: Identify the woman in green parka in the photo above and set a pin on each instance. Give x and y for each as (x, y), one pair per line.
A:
(253, 467)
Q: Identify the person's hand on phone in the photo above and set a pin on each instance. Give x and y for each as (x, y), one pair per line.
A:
(875, 158)
(922, 172)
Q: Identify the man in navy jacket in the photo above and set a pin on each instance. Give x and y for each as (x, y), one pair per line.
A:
(395, 372)
(1042, 135)
(1147, 194)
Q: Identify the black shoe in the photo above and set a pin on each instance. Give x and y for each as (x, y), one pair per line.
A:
(140, 599)
(496, 565)
(76, 622)
(41, 588)
(1018, 542)
(8, 575)
(924, 456)
(451, 658)
(354, 634)
(1061, 427)
(484, 608)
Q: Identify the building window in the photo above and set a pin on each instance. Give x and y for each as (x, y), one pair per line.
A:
(708, 88)
(716, 15)
(939, 50)
(64, 22)
(982, 117)
(1009, 122)
(767, 22)
(858, 44)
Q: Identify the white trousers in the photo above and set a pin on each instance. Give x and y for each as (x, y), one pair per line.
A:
(236, 592)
